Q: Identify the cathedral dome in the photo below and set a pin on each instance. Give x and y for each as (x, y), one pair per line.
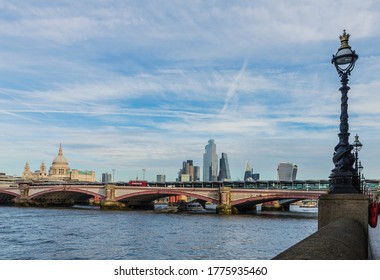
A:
(60, 159)
(60, 168)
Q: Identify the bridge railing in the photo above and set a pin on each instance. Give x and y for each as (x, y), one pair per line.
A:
(260, 184)
(278, 185)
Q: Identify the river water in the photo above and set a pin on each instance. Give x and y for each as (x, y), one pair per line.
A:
(70, 234)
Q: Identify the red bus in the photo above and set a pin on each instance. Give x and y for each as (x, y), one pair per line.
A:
(138, 183)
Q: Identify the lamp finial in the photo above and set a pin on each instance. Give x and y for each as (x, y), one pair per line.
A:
(344, 40)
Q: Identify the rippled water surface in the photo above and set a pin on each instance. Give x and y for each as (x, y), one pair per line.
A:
(57, 234)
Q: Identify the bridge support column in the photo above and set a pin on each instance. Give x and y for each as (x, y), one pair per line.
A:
(224, 206)
(23, 200)
(110, 203)
(332, 207)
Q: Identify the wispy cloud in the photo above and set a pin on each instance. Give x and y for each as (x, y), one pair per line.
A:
(139, 84)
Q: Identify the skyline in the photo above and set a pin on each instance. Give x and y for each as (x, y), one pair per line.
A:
(138, 85)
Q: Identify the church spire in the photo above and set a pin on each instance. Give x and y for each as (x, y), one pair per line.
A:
(27, 167)
(60, 150)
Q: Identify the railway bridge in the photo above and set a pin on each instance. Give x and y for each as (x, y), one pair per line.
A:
(124, 196)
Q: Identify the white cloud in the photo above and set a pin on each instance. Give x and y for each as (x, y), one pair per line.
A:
(131, 85)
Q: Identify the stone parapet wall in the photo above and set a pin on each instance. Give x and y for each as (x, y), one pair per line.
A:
(343, 239)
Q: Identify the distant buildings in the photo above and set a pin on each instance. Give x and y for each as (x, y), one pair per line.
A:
(224, 171)
(8, 180)
(286, 171)
(189, 172)
(248, 173)
(210, 162)
(58, 171)
(161, 178)
(256, 176)
(106, 178)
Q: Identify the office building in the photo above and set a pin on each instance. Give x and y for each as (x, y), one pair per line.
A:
(248, 172)
(286, 171)
(256, 176)
(188, 172)
(210, 162)
(161, 178)
(106, 178)
(224, 168)
(197, 173)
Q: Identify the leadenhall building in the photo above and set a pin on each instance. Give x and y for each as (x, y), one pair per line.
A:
(59, 171)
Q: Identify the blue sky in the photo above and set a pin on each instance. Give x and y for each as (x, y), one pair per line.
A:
(132, 85)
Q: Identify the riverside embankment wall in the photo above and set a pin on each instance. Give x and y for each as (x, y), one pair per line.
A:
(343, 239)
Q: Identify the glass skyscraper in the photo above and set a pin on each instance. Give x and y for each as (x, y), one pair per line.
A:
(210, 162)
(224, 168)
(188, 172)
(106, 178)
(287, 171)
(248, 172)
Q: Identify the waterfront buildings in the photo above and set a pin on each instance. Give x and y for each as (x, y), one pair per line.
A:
(224, 171)
(189, 172)
(210, 162)
(286, 171)
(58, 171)
(8, 180)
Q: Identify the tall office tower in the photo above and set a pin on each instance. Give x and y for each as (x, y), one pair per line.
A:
(294, 174)
(256, 176)
(187, 172)
(248, 172)
(287, 171)
(197, 173)
(210, 162)
(224, 168)
(106, 178)
(161, 178)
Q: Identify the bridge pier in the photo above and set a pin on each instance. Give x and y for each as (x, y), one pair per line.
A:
(110, 203)
(23, 199)
(224, 206)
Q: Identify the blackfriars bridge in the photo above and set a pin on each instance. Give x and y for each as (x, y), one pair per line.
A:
(241, 196)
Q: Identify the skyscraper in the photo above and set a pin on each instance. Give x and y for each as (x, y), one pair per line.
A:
(197, 173)
(106, 178)
(161, 178)
(287, 171)
(188, 172)
(248, 172)
(210, 162)
(224, 168)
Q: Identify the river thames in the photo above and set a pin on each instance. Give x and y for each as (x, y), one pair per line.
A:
(71, 234)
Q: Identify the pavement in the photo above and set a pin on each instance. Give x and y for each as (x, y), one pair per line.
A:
(374, 241)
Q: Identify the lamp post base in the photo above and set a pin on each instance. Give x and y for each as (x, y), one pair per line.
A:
(344, 182)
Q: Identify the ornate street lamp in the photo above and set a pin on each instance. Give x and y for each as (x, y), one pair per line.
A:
(361, 177)
(343, 177)
(364, 184)
(357, 146)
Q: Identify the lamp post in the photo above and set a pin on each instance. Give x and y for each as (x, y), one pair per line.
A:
(361, 177)
(342, 178)
(357, 146)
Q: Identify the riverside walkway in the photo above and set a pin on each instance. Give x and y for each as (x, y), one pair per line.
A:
(374, 241)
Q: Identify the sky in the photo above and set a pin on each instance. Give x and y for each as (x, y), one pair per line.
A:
(133, 85)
